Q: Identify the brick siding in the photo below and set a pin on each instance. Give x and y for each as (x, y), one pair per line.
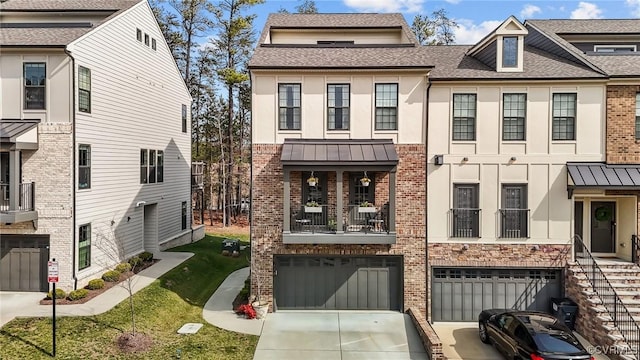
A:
(51, 169)
(622, 146)
(267, 219)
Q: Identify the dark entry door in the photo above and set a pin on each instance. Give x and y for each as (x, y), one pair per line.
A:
(603, 222)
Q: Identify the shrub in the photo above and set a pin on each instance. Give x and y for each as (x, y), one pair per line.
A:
(123, 267)
(95, 284)
(135, 261)
(111, 276)
(146, 256)
(78, 294)
(60, 294)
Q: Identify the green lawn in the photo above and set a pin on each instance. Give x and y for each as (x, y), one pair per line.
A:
(161, 309)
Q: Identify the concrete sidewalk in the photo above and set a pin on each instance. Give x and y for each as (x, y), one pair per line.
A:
(25, 304)
(218, 310)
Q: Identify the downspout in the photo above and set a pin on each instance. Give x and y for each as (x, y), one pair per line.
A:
(73, 167)
(426, 183)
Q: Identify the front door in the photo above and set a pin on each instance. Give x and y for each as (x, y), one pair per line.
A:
(603, 227)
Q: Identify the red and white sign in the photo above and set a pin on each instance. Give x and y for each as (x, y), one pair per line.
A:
(52, 273)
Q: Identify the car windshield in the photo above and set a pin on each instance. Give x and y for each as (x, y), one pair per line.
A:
(557, 342)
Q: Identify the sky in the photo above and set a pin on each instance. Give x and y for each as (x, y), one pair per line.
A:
(476, 18)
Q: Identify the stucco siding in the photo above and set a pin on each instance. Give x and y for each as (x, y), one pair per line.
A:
(136, 103)
(312, 37)
(57, 93)
(490, 162)
(411, 107)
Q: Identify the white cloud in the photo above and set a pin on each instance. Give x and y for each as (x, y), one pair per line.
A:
(586, 10)
(528, 11)
(469, 33)
(635, 7)
(453, 1)
(405, 6)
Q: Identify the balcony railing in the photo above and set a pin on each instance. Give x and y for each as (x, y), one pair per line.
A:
(514, 223)
(465, 223)
(26, 197)
(322, 220)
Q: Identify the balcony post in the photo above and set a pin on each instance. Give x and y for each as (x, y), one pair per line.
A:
(392, 201)
(339, 225)
(14, 180)
(287, 201)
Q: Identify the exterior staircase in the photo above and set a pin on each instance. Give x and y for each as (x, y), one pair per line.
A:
(602, 318)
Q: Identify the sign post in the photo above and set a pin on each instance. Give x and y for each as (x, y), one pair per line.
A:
(52, 276)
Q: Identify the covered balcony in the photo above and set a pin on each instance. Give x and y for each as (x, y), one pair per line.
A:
(17, 198)
(339, 191)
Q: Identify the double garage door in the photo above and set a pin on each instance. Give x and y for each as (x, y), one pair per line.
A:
(23, 262)
(338, 283)
(461, 294)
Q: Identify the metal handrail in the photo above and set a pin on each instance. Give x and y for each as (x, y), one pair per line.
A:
(465, 222)
(621, 316)
(635, 249)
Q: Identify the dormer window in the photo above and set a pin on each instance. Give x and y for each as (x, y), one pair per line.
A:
(510, 51)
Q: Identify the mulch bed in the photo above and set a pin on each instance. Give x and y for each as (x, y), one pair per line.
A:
(107, 285)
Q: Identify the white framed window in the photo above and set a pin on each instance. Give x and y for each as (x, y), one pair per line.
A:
(510, 51)
(464, 117)
(35, 81)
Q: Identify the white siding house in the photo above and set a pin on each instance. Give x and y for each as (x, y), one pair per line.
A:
(111, 162)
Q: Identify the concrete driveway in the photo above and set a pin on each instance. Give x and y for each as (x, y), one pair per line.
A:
(460, 341)
(346, 335)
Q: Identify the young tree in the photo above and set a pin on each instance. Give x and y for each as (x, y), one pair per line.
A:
(437, 30)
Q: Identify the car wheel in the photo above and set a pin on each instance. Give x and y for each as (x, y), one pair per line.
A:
(482, 331)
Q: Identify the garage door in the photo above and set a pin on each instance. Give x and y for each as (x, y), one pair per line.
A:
(461, 294)
(23, 262)
(338, 283)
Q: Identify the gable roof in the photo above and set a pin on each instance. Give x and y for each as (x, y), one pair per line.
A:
(452, 62)
(511, 26)
(337, 21)
(54, 34)
(614, 65)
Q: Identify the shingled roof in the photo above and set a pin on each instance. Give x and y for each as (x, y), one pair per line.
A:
(614, 65)
(65, 5)
(452, 63)
(54, 34)
(350, 57)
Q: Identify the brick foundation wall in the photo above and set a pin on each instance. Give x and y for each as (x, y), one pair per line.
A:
(622, 146)
(267, 220)
(429, 338)
(50, 167)
(496, 256)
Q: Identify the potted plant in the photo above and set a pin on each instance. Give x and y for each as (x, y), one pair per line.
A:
(261, 307)
(366, 207)
(312, 180)
(312, 207)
